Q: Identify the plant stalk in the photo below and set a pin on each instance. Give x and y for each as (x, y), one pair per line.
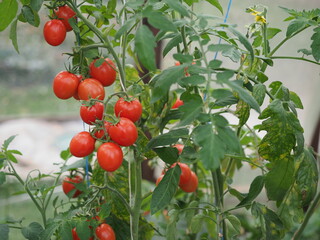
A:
(137, 199)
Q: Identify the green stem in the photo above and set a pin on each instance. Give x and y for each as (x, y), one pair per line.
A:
(184, 39)
(265, 40)
(295, 58)
(137, 198)
(313, 206)
(41, 210)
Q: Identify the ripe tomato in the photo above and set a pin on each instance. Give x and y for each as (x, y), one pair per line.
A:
(67, 185)
(54, 32)
(105, 232)
(128, 109)
(65, 84)
(91, 88)
(124, 132)
(191, 185)
(177, 104)
(82, 144)
(64, 13)
(109, 156)
(159, 179)
(89, 114)
(179, 147)
(185, 172)
(105, 73)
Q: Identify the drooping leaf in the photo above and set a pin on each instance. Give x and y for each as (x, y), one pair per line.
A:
(235, 228)
(167, 154)
(36, 5)
(296, 100)
(283, 131)
(315, 45)
(8, 11)
(13, 35)
(307, 177)
(32, 231)
(167, 138)
(191, 108)
(216, 4)
(145, 51)
(31, 16)
(254, 190)
(279, 179)
(242, 112)
(259, 93)
(166, 189)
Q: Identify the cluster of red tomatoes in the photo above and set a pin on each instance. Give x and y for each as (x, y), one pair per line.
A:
(188, 181)
(55, 30)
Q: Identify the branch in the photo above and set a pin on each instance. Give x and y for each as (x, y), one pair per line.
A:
(295, 58)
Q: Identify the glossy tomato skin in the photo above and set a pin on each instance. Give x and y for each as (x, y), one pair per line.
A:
(185, 172)
(191, 185)
(179, 147)
(105, 232)
(89, 114)
(65, 85)
(54, 32)
(67, 185)
(110, 156)
(128, 109)
(105, 73)
(82, 144)
(124, 132)
(64, 13)
(177, 104)
(91, 88)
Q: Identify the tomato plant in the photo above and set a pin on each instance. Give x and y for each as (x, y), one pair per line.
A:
(54, 32)
(68, 185)
(82, 144)
(105, 73)
(131, 109)
(195, 123)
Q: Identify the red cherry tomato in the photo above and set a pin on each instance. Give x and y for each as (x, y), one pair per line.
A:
(179, 147)
(105, 73)
(91, 88)
(65, 85)
(109, 156)
(128, 109)
(67, 185)
(82, 144)
(64, 13)
(124, 132)
(191, 185)
(105, 232)
(185, 172)
(54, 32)
(177, 104)
(89, 114)
(159, 179)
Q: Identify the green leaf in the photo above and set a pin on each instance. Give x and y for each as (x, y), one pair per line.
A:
(242, 112)
(177, 6)
(190, 213)
(259, 93)
(36, 5)
(167, 154)
(125, 27)
(279, 179)
(216, 4)
(168, 138)
(315, 45)
(111, 7)
(78, 164)
(296, 25)
(31, 16)
(244, 94)
(173, 42)
(50, 229)
(271, 32)
(32, 231)
(145, 51)
(236, 226)
(193, 80)
(255, 189)
(307, 177)
(65, 154)
(166, 189)
(197, 223)
(226, 50)
(296, 100)
(160, 21)
(171, 230)
(7, 142)
(283, 131)
(8, 11)
(13, 35)
(164, 80)
(2, 178)
(224, 97)
(65, 231)
(11, 157)
(191, 108)
(4, 228)
(83, 230)
(212, 147)
(105, 210)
